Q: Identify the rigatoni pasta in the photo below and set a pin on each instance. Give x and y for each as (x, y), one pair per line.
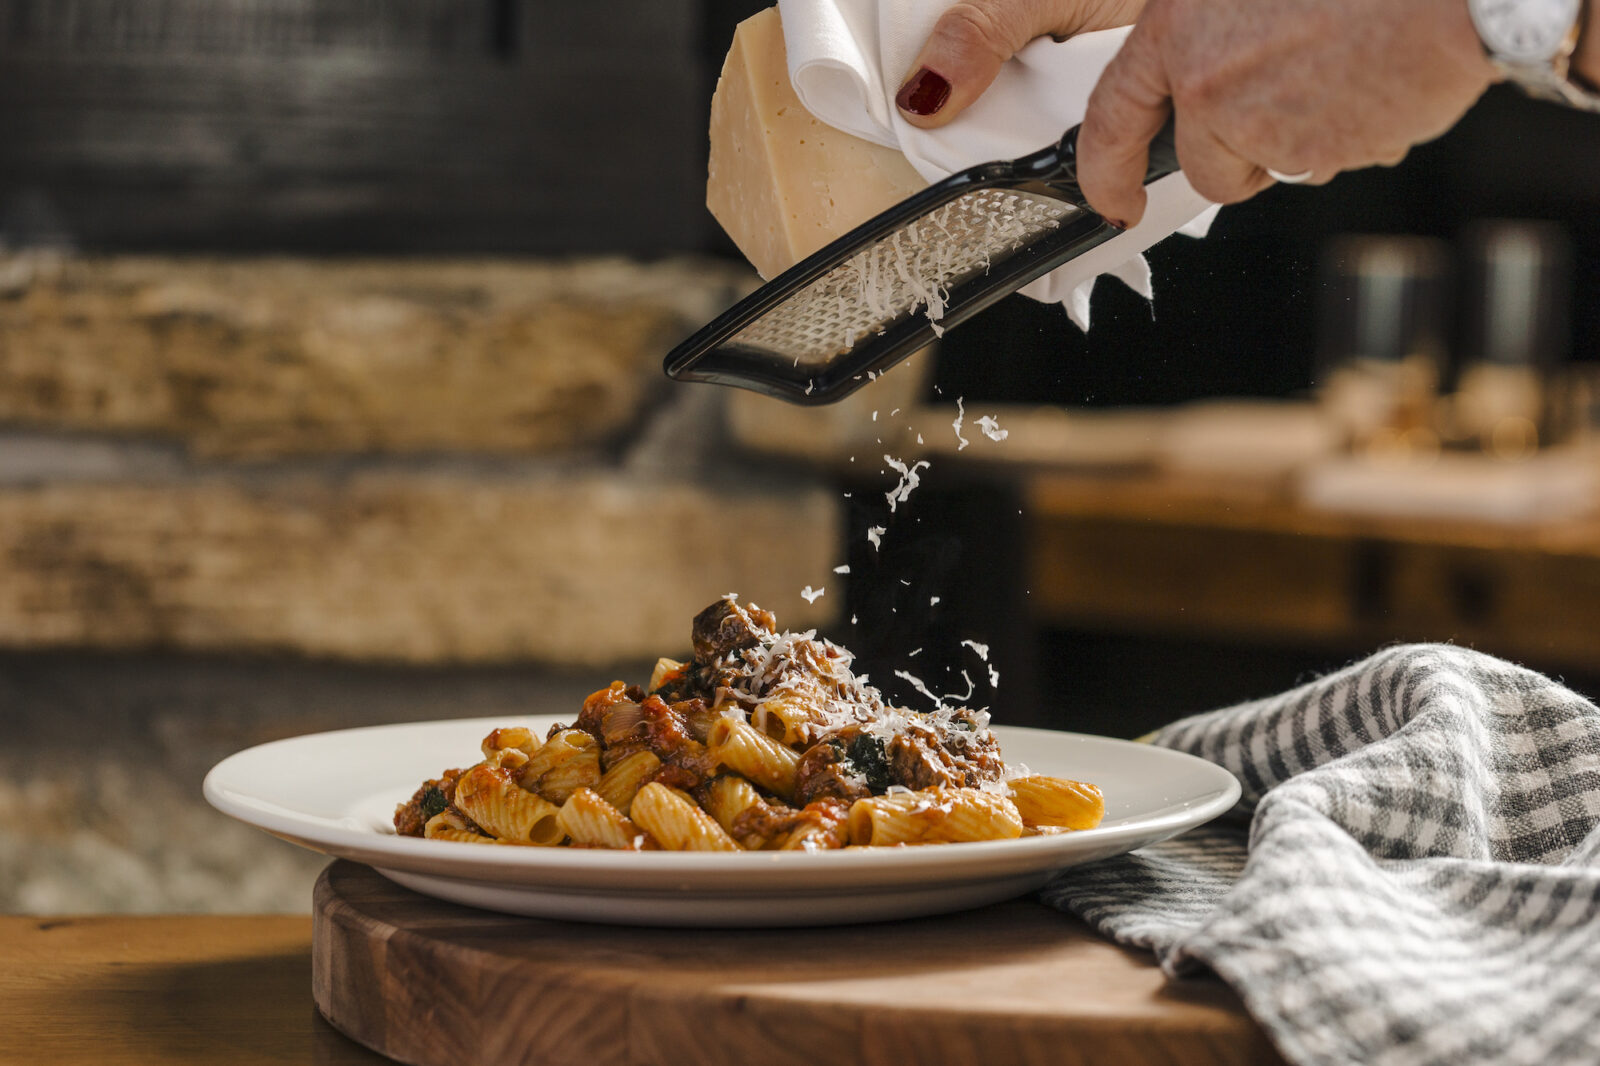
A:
(590, 822)
(752, 754)
(1055, 801)
(764, 740)
(676, 821)
(618, 785)
(938, 816)
(497, 805)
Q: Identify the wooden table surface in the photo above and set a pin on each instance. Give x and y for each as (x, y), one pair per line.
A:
(156, 990)
(126, 990)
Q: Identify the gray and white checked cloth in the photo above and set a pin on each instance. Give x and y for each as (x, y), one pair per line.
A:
(1419, 882)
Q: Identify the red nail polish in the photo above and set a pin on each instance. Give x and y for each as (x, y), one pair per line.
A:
(924, 94)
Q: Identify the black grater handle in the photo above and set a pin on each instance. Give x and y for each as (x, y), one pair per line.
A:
(1060, 163)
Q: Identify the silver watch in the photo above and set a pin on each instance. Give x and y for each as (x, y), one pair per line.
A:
(1531, 42)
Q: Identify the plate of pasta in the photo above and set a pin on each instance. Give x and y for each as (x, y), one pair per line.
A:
(759, 783)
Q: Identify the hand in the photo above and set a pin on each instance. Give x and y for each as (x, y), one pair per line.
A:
(1586, 60)
(1299, 86)
(1294, 85)
(973, 39)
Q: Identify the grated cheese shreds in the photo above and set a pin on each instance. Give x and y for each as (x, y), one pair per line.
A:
(961, 414)
(842, 569)
(991, 428)
(875, 536)
(811, 595)
(914, 268)
(910, 478)
(800, 667)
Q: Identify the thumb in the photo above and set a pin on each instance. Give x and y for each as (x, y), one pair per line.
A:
(974, 38)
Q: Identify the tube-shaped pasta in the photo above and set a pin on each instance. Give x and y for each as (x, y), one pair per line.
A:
(592, 822)
(560, 748)
(449, 825)
(938, 816)
(786, 719)
(810, 838)
(665, 668)
(1045, 800)
(580, 771)
(494, 801)
(676, 822)
(516, 736)
(619, 784)
(746, 750)
(726, 797)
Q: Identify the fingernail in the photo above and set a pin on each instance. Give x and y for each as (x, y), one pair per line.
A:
(1114, 224)
(924, 94)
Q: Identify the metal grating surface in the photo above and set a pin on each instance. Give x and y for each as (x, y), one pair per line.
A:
(914, 267)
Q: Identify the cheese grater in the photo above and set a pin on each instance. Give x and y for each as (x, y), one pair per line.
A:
(847, 313)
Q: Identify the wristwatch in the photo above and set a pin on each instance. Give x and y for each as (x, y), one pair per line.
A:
(1531, 42)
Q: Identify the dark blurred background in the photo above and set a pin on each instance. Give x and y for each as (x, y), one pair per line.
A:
(204, 203)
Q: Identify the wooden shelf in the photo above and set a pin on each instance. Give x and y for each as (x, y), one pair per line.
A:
(1150, 553)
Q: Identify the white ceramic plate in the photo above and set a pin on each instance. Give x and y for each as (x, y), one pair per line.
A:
(336, 793)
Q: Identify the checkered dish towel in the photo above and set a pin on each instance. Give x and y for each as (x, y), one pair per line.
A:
(1420, 877)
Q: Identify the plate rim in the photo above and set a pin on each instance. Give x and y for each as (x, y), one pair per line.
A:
(550, 868)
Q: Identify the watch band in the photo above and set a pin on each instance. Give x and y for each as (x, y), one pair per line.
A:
(1550, 79)
(1553, 83)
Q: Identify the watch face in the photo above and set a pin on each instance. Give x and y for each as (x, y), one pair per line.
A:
(1528, 31)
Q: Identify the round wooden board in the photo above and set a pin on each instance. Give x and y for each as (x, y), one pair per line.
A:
(433, 983)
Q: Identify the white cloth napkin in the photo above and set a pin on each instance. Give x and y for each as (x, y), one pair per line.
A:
(847, 59)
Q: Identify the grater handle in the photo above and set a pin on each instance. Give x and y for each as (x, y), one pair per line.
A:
(1063, 160)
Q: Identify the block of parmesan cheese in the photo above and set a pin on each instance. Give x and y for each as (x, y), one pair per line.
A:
(782, 183)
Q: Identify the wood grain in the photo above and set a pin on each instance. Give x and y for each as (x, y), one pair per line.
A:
(429, 982)
(159, 991)
(446, 125)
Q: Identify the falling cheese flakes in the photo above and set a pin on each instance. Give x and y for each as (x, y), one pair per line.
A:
(939, 702)
(991, 428)
(875, 536)
(982, 651)
(910, 478)
(961, 415)
(842, 569)
(811, 595)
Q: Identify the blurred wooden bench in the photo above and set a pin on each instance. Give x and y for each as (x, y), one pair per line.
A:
(1160, 554)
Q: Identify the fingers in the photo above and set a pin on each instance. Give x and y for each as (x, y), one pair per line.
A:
(1214, 169)
(974, 38)
(1126, 109)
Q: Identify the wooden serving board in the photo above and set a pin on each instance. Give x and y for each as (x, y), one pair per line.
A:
(432, 983)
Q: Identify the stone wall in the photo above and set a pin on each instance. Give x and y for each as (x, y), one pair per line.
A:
(242, 499)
